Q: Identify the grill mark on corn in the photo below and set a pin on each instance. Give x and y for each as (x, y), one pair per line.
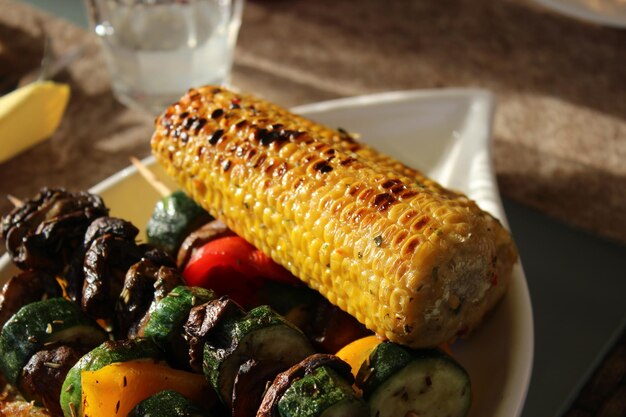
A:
(407, 194)
(383, 201)
(258, 161)
(348, 161)
(390, 183)
(166, 120)
(199, 124)
(268, 137)
(420, 223)
(188, 123)
(215, 137)
(323, 167)
(217, 113)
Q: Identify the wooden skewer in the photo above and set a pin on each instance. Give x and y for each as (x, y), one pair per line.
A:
(15, 201)
(150, 177)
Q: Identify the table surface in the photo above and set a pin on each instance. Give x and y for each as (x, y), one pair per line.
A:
(559, 140)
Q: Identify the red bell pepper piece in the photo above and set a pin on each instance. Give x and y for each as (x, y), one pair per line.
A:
(232, 266)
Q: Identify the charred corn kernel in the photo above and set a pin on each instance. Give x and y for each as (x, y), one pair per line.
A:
(414, 262)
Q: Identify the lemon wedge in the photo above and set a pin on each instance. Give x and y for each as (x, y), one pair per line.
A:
(29, 115)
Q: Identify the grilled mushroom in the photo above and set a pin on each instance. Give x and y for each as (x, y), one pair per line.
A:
(99, 227)
(24, 288)
(202, 319)
(145, 281)
(250, 385)
(110, 226)
(44, 232)
(44, 374)
(106, 262)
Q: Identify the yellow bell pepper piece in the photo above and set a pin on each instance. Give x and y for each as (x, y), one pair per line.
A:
(117, 388)
(358, 351)
(29, 115)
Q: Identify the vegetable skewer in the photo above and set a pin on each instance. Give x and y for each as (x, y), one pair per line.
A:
(150, 178)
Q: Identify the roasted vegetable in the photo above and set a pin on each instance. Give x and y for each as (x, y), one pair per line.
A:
(110, 226)
(203, 320)
(167, 317)
(327, 326)
(332, 328)
(43, 375)
(24, 288)
(319, 385)
(212, 230)
(356, 353)
(106, 262)
(321, 393)
(41, 324)
(174, 217)
(167, 403)
(144, 283)
(413, 262)
(44, 231)
(231, 266)
(261, 335)
(398, 381)
(105, 354)
(250, 384)
(116, 389)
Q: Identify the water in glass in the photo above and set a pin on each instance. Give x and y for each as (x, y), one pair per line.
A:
(157, 50)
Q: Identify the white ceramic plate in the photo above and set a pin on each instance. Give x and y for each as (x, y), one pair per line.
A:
(447, 134)
(604, 12)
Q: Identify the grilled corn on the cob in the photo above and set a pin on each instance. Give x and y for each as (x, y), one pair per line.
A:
(414, 262)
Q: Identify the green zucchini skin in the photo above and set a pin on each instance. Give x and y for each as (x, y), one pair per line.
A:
(322, 393)
(40, 324)
(173, 218)
(397, 380)
(385, 361)
(167, 317)
(107, 353)
(167, 403)
(262, 335)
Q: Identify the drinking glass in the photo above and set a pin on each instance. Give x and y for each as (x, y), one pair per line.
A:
(157, 49)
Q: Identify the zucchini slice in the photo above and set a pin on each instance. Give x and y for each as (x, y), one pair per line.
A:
(168, 316)
(173, 218)
(262, 335)
(107, 353)
(42, 324)
(397, 381)
(322, 393)
(167, 404)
